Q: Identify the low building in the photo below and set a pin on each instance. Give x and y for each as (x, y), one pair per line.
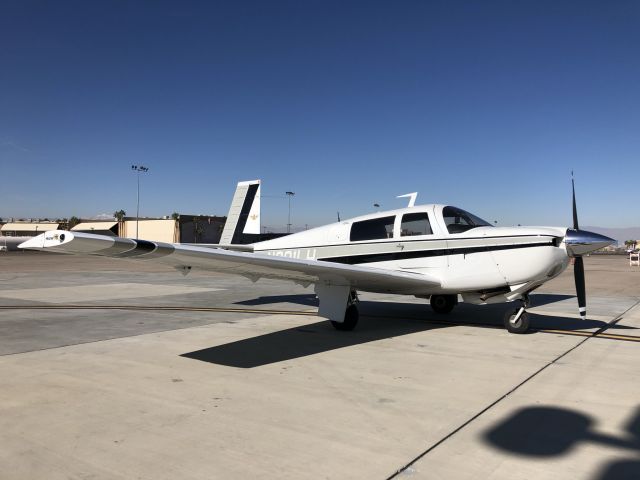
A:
(13, 234)
(199, 229)
(99, 227)
(156, 229)
(27, 229)
(183, 229)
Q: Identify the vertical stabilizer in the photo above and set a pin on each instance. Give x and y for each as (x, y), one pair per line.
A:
(244, 213)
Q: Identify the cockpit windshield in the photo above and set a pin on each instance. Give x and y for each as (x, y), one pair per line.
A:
(458, 221)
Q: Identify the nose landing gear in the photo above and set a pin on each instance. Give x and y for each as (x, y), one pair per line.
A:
(517, 321)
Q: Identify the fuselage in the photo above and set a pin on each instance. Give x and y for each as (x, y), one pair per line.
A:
(482, 262)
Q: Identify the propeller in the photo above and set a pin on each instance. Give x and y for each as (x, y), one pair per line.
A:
(578, 267)
(578, 243)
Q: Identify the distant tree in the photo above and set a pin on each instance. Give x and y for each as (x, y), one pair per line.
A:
(73, 221)
(175, 216)
(119, 215)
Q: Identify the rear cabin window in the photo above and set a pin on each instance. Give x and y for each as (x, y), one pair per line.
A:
(374, 229)
(415, 224)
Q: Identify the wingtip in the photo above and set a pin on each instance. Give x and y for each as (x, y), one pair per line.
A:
(32, 243)
(49, 239)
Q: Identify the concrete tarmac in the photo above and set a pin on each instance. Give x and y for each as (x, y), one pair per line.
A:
(122, 369)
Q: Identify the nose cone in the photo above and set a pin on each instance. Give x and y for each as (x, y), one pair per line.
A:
(581, 242)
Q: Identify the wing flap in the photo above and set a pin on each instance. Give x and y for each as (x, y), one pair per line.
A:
(252, 265)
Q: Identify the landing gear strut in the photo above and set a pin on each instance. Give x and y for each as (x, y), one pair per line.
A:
(443, 303)
(351, 315)
(517, 321)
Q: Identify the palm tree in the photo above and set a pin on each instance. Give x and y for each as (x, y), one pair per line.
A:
(73, 221)
(119, 215)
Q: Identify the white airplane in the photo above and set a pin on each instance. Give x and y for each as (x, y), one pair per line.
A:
(436, 252)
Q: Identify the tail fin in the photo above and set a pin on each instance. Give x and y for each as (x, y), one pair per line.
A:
(244, 214)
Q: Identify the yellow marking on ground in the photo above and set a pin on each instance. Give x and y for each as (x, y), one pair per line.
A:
(610, 336)
(627, 338)
(566, 332)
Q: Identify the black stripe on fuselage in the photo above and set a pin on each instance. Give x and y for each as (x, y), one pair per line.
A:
(390, 256)
(556, 239)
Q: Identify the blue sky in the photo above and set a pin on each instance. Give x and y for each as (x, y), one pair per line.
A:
(484, 105)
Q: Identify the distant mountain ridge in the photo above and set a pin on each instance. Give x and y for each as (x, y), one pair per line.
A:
(619, 234)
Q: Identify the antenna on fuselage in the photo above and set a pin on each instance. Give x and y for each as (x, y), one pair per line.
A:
(412, 198)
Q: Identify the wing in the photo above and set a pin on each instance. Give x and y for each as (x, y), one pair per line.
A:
(252, 265)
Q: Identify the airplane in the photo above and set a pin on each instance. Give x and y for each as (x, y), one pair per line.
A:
(437, 252)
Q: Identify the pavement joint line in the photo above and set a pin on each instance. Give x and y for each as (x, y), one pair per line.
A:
(630, 338)
(501, 398)
(166, 308)
(131, 336)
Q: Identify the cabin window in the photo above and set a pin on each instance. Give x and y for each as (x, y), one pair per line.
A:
(374, 229)
(415, 224)
(459, 221)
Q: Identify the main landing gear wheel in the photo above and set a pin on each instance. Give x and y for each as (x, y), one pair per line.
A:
(350, 319)
(515, 323)
(443, 303)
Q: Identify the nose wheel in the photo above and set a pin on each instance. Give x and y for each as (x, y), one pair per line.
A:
(517, 321)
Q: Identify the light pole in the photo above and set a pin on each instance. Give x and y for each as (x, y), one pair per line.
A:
(289, 194)
(138, 169)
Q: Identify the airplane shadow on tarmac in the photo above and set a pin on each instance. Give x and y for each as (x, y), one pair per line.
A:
(311, 299)
(303, 341)
(548, 432)
(378, 321)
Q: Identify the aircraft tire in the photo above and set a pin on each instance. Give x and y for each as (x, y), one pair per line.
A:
(443, 303)
(521, 326)
(350, 319)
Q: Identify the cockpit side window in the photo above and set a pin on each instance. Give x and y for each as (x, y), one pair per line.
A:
(415, 224)
(374, 229)
(458, 221)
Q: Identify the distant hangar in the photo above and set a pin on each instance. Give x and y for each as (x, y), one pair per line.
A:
(182, 229)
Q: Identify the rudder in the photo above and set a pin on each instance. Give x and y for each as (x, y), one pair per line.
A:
(244, 213)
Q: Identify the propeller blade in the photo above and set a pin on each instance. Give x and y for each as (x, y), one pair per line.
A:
(575, 209)
(578, 275)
